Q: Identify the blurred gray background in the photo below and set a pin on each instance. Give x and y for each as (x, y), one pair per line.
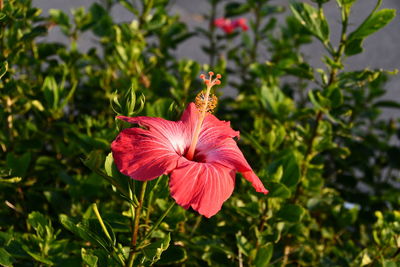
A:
(381, 50)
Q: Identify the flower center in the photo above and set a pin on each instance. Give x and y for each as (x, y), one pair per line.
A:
(204, 103)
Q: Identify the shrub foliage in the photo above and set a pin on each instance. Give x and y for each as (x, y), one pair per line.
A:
(315, 137)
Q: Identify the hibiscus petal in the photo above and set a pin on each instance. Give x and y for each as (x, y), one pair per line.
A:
(202, 186)
(255, 181)
(216, 145)
(145, 154)
(212, 128)
(227, 153)
(170, 131)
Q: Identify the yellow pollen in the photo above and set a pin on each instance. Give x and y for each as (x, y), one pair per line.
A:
(204, 103)
(211, 103)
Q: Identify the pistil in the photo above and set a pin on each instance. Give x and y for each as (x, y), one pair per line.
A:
(203, 108)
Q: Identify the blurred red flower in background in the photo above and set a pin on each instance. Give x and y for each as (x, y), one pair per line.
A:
(228, 26)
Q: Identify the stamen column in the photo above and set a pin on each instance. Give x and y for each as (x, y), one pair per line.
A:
(209, 83)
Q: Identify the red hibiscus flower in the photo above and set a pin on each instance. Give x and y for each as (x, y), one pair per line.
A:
(242, 23)
(198, 152)
(228, 26)
(224, 24)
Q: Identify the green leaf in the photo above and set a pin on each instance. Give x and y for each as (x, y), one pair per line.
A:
(51, 91)
(345, 2)
(86, 230)
(336, 97)
(5, 258)
(291, 171)
(373, 23)
(18, 164)
(173, 255)
(277, 190)
(94, 161)
(236, 8)
(312, 19)
(387, 104)
(88, 258)
(390, 263)
(35, 32)
(59, 17)
(366, 259)
(353, 47)
(37, 257)
(291, 213)
(10, 180)
(2, 16)
(3, 68)
(153, 251)
(102, 21)
(264, 255)
(39, 222)
(118, 178)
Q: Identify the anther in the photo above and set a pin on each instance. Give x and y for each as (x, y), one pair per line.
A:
(202, 76)
(210, 73)
(208, 104)
(218, 76)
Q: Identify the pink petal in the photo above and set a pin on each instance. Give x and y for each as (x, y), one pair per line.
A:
(202, 186)
(228, 29)
(216, 145)
(242, 23)
(145, 154)
(171, 132)
(255, 181)
(212, 127)
(219, 22)
(227, 153)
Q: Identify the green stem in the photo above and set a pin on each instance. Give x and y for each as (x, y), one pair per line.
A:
(136, 225)
(103, 226)
(211, 29)
(257, 14)
(147, 6)
(155, 226)
(196, 225)
(117, 251)
(150, 203)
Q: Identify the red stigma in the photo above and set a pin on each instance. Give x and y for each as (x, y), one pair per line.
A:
(211, 82)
